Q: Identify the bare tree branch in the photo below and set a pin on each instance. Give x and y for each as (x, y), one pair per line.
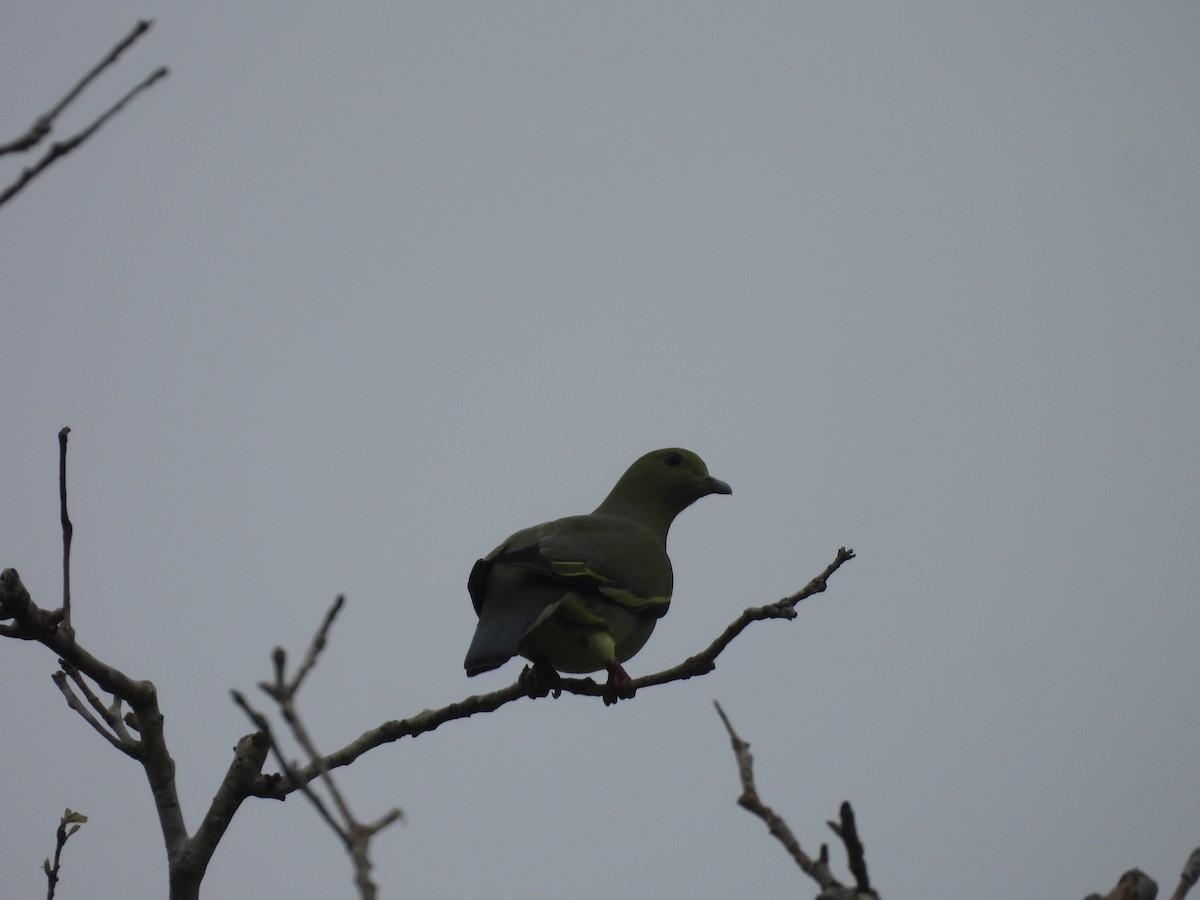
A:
(706, 660)
(355, 836)
(429, 719)
(315, 648)
(73, 701)
(44, 124)
(263, 724)
(49, 628)
(856, 859)
(750, 801)
(68, 530)
(1189, 876)
(249, 756)
(817, 869)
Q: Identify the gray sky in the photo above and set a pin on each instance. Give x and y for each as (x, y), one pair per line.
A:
(362, 288)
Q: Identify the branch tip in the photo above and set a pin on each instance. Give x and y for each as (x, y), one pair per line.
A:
(68, 530)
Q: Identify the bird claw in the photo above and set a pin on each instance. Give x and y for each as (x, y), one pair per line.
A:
(619, 685)
(540, 679)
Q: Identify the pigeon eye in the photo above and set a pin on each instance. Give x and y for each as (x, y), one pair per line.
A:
(673, 460)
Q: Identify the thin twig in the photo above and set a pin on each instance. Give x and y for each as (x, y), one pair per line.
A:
(817, 869)
(706, 660)
(111, 714)
(354, 835)
(317, 644)
(749, 800)
(68, 530)
(74, 820)
(284, 693)
(45, 122)
(73, 701)
(62, 148)
(856, 857)
(430, 719)
(264, 726)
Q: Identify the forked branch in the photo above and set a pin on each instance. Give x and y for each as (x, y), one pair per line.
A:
(355, 836)
(817, 869)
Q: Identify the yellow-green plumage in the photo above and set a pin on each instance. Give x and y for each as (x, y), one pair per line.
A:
(583, 593)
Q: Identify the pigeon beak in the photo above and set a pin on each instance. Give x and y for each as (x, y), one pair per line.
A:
(715, 486)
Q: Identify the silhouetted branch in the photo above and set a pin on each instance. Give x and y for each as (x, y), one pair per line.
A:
(354, 835)
(68, 530)
(128, 747)
(856, 859)
(44, 124)
(706, 660)
(69, 824)
(48, 627)
(429, 719)
(817, 869)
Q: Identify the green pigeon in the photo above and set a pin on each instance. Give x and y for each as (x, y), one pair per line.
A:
(583, 593)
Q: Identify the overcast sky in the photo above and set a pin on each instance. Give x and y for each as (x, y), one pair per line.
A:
(362, 288)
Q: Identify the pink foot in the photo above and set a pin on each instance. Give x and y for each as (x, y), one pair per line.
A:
(619, 685)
